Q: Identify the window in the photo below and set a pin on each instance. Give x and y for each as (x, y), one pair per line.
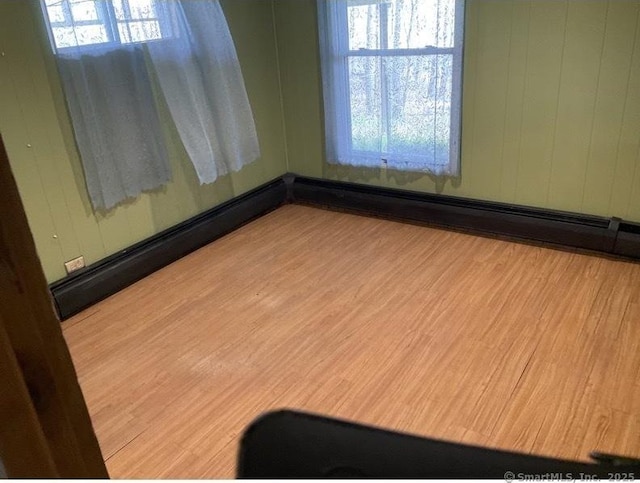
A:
(392, 82)
(116, 58)
(77, 23)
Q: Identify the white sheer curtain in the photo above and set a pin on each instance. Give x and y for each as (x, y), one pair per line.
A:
(202, 83)
(391, 74)
(104, 50)
(115, 122)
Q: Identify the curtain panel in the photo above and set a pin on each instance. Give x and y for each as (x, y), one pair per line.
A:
(105, 50)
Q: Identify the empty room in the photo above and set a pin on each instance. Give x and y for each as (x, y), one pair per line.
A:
(421, 216)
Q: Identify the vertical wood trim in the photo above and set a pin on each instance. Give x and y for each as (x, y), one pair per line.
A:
(58, 437)
(22, 443)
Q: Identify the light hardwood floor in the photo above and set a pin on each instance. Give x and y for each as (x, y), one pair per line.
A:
(410, 328)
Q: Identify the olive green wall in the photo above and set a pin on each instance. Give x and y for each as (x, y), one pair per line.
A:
(551, 119)
(37, 134)
(551, 105)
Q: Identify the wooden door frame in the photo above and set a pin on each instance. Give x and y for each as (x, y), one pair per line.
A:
(46, 430)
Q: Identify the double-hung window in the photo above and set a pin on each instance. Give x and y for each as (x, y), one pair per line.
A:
(78, 23)
(392, 82)
(116, 58)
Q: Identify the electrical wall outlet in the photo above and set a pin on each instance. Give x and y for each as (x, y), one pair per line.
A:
(74, 265)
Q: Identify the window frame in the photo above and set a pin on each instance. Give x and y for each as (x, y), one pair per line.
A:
(341, 83)
(109, 20)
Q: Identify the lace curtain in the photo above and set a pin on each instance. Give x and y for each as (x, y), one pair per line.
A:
(105, 50)
(392, 82)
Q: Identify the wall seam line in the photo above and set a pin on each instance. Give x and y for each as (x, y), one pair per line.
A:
(280, 90)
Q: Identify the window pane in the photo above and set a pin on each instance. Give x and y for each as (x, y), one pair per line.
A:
(421, 23)
(135, 9)
(125, 35)
(91, 34)
(56, 13)
(419, 108)
(141, 9)
(401, 109)
(401, 24)
(82, 35)
(133, 30)
(139, 31)
(364, 27)
(83, 10)
(366, 103)
(118, 7)
(64, 37)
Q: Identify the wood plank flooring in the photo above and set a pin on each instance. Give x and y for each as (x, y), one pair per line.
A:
(410, 328)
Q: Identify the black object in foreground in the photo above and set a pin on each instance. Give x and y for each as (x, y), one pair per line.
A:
(289, 444)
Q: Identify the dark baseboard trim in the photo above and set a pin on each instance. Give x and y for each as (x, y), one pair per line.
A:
(606, 235)
(100, 280)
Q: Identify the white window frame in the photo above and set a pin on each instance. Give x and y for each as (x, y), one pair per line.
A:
(339, 84)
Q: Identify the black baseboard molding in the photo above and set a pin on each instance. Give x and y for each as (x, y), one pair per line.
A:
(100, 280)
(611, 236)
(606, 235)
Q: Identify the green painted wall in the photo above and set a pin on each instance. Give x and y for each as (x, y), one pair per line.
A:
(551, 119)
(551, 105)
(38, 137)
